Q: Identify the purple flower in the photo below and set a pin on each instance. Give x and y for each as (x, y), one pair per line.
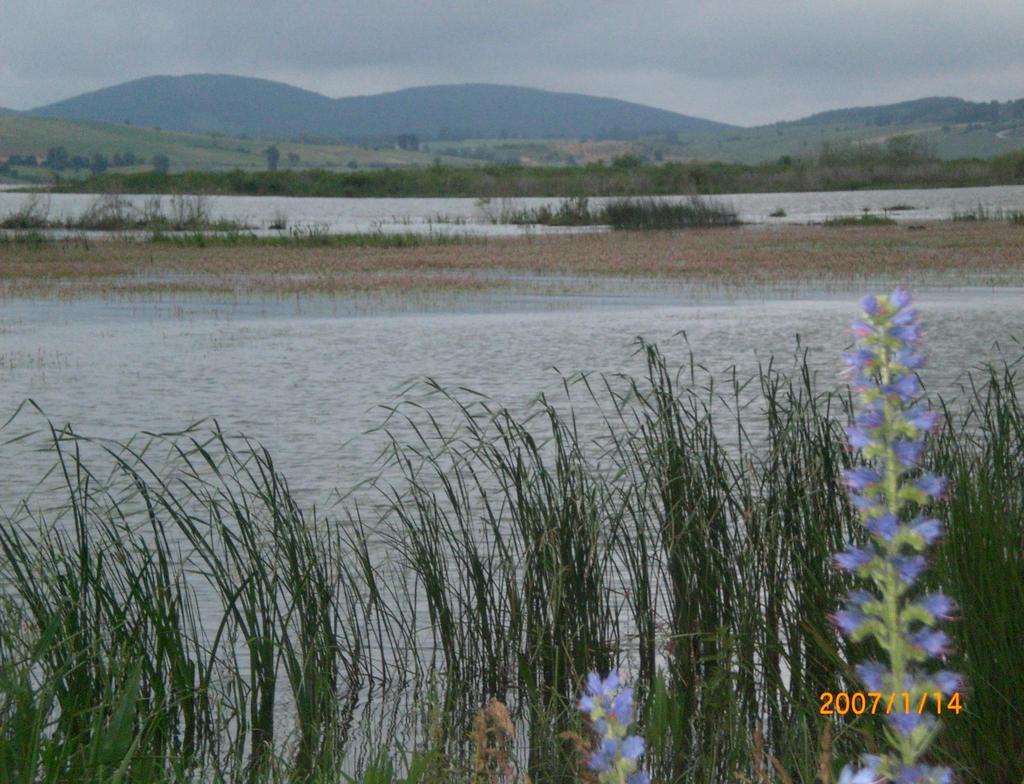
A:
(866, 775)
(638, 778)
(873, 674)
(858, 437)
(870, 418)
(884, 526)
(928, 529)
(870, 305)
(622, 707)
(932, 486)
(922, 419)
(601, 759)
(598, 690)
(922, 774)
(908, 452)
(899, 298)
(933, 642)
(853, 559)
(862, 328)
(861, 478)
(849, 621)
(939, 605)
(908, 567)
(905, 386)
(861, 359)
(949, 683)
(910, 359)
(862, 502)
(905, 722)
(632, 747)
(908, 333)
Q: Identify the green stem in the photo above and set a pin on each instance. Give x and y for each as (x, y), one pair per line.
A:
(891, 587)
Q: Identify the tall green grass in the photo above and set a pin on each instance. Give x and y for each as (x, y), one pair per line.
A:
(179, 616)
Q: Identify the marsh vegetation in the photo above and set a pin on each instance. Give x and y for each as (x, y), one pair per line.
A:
(176, 614)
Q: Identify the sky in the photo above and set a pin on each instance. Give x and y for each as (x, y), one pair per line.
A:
(746, 63)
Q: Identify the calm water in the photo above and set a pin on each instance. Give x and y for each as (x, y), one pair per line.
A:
(308, 383)
(470, 216)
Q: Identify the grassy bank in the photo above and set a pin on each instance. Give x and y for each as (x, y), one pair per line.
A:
(965, 253)
(178, 616)
(627, 177)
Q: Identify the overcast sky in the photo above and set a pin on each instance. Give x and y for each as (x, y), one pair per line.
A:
(742, 62)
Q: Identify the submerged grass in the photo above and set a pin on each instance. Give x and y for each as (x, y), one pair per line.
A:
(985, 253)
(179, 616)
(630, 213)
(112, 212)
(860, 220)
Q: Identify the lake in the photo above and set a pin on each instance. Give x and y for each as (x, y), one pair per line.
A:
(308, 378)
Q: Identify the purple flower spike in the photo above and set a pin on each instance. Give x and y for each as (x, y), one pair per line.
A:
(638, 778)
(890, 429)
(610, 710)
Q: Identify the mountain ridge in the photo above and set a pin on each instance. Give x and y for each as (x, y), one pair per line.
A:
(218, 103)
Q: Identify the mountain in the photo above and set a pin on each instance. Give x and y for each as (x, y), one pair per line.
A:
(237, 105)
(7, 112)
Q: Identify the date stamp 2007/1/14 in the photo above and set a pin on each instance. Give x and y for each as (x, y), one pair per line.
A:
(842, 703)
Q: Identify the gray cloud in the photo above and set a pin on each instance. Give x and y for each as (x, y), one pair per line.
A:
(739, 61)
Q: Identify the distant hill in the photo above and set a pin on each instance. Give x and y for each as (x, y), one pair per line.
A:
(921, 111)
(7, 112)
(238, 105)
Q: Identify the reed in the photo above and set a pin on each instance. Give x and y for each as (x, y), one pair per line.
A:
(179, 616)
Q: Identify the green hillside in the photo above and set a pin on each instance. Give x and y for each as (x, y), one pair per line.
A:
(27, 136)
